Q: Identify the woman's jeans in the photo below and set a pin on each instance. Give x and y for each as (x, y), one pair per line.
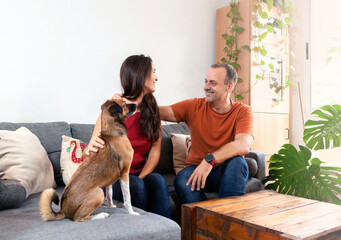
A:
(150, 194)
(227, 179)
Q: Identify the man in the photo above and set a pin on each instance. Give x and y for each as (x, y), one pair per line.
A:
(221, 133)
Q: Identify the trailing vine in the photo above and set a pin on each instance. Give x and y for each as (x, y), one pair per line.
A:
(231, 49)
(263, 25)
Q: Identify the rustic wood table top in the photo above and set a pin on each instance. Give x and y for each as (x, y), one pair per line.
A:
(261, 215)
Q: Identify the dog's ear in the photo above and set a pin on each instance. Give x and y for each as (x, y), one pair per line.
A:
(104, 105)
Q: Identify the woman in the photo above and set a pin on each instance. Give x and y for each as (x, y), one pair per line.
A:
(149, 191)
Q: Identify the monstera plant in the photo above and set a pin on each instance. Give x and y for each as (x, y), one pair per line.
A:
(296, 172)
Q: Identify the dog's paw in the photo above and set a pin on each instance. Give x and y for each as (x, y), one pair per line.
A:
(131, 212)
(110, 203)
(100, 216)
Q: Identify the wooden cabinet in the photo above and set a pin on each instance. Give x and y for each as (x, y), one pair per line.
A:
(271, 118)
(271, 132)
(260, 215)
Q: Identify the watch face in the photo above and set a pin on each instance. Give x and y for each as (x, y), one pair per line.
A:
(209, 158)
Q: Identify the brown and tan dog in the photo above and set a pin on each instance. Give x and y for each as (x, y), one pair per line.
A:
(83, 194)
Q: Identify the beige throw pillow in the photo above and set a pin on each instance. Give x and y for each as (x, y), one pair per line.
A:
(181, 145)
(70, 157)
(23, 158)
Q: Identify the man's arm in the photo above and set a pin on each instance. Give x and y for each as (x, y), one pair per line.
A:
(240, 146)
(167, 114)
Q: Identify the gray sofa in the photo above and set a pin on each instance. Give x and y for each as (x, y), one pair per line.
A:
(23, 220)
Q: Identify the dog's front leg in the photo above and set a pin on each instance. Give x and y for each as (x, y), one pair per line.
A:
(108, 196)
(126, 196)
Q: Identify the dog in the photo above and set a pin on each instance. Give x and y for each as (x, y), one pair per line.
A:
(83, 194)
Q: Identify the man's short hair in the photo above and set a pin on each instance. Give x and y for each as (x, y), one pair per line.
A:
(231, 74)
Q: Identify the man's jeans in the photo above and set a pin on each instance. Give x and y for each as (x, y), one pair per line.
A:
(227, 179)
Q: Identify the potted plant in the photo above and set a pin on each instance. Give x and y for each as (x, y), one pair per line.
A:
(296, 172)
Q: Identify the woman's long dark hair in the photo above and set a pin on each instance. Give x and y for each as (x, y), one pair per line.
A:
(134, 71)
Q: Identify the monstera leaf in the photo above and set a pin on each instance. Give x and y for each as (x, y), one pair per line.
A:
(319, 134)
(293, 172)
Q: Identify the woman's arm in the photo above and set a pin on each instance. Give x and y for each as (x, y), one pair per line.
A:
(95, 141)
(153, 158)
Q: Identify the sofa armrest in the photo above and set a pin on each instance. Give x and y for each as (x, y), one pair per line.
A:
(260, 159)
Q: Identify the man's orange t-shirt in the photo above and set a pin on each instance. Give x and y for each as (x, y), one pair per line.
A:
(211, 130)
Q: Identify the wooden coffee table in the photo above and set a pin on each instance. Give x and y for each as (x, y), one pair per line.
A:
(261, 215)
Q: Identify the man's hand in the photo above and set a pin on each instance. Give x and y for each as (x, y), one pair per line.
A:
(198, 177)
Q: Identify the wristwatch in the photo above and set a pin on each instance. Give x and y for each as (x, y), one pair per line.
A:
(210, 159)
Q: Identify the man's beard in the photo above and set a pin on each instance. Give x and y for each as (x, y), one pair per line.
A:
(209, 95)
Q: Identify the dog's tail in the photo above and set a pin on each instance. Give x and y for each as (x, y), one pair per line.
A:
(47, 197)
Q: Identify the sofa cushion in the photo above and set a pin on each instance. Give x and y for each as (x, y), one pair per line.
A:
(82, 132)
(180, 150)
(259, 157)
(253, 167)
(166, 159)
(23, 158)
(26, 223)
(71, 156)
(253, 185)
(12, 194)
(50, 135)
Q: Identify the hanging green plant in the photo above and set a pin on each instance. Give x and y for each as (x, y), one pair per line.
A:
(264, 26)
(297, 173)
(231, 49)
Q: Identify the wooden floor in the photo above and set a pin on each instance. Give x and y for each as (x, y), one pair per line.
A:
(261, 215)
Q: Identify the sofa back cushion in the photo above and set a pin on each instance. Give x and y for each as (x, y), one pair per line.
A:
(82, 131)
(50, 135)
(166, 158)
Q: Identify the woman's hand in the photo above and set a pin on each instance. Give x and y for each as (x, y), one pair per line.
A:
(117, 96)
(94, 144)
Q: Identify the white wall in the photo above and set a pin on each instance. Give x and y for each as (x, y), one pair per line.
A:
(60, 60)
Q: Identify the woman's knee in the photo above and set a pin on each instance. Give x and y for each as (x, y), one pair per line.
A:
(156, 181)
(138, 192)
(136, 185)
(155, 178)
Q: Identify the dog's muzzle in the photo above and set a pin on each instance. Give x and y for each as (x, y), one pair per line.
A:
(132, 109)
